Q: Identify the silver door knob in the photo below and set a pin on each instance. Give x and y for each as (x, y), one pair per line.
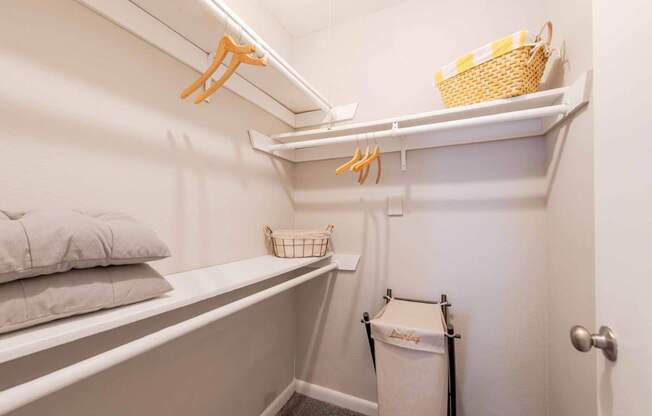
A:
(605, 340)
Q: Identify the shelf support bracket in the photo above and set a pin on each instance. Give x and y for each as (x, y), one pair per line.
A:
(345, 262)
(320, 117)
(262, 142)
(395, 127)
(576, 96)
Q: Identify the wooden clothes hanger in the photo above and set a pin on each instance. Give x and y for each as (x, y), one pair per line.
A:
(365, 168)
(363, 175)
(365, 163)
(226, 45)
(379, 171)
(356, 167)
(356, 158)
(361, 166)
(233, 65)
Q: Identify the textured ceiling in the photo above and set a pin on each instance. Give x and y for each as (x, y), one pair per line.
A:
(302, 17)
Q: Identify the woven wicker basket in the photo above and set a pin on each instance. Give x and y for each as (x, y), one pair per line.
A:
(515, 73)
(299, 243)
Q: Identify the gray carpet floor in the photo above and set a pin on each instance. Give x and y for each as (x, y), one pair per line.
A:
(300, 405)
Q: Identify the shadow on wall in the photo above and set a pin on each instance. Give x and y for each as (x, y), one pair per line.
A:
(555, 70)
(472, 228)
(317, 314)
(100, 104)
(202, 373)
(92, 118)
(340, 297)
(556, 138)
(556, 143)
(66, 63)
(138, 151)
(371, 224)
(132, 132)
(473, 164)
(488, 176)
(453, 205)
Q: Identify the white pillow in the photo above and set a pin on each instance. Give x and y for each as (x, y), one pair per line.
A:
(29, 302)
(52, 241)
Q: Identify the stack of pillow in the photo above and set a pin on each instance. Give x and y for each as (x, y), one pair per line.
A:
(59, 263)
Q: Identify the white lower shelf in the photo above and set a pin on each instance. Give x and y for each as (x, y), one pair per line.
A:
(189, 287)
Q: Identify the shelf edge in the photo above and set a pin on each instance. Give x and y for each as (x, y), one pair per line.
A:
(72, 329)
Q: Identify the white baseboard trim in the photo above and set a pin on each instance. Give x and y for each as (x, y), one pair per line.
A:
(278, 403)
(337, 398)
(324, 394)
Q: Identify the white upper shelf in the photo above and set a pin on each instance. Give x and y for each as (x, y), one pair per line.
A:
(188, 288)
(525, 116)
(190, 30)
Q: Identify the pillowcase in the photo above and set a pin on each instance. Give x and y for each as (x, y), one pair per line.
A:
(29, 302)
(52, 241)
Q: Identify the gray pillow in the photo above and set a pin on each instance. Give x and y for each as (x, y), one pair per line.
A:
(52, 241)
(28, 302)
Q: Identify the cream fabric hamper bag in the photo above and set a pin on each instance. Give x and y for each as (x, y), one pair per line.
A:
(411, 360)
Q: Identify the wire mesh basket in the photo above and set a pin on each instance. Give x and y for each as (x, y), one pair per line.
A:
(299, 243)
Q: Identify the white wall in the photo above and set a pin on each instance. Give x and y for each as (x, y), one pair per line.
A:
(386, 61)
(570, 219)
(474, 229)
(91, 118)
(474, 225)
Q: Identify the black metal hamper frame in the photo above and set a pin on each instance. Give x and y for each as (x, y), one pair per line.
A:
(451, 337)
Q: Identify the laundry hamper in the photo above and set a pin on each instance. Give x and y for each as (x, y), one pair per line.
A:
(299, 243)
(411, 360)
(506, 67)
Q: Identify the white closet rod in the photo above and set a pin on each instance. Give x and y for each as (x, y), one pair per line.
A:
(441, 126)
(23, 394)
(273, 59)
